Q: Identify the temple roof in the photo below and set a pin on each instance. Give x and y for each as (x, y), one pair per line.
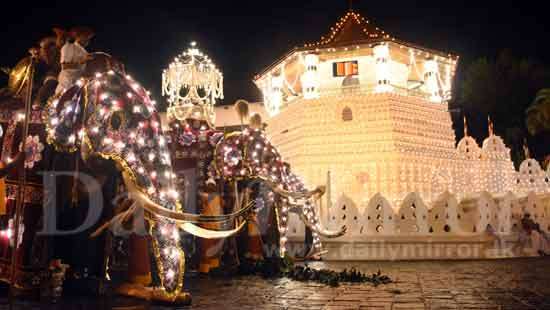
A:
(351, 28)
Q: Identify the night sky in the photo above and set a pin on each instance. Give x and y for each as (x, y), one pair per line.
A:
(243, 37)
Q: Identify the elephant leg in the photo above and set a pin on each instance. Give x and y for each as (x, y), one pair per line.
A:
(169, 257)
(282, 223)
(311, 220)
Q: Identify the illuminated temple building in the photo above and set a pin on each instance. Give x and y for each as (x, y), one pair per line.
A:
(367, 107)
(367, 115)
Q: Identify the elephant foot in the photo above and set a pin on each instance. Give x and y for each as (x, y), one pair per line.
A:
(135, 291)
(162, 297)
(314, 254)
(208, 264)
(154, 295)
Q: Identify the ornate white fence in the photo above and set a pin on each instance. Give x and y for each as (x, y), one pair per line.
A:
(484, 226)
(500, 214)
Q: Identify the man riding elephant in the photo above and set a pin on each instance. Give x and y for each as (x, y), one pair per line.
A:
(73, 58)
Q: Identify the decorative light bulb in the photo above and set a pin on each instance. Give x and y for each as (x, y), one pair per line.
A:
(170, 274)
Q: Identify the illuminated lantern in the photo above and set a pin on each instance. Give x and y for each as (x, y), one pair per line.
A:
(383, 73)
(275, 96)
(192, 84)
(310, 78)
(431, 80)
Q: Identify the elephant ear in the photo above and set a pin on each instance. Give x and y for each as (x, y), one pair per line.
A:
(115, 117)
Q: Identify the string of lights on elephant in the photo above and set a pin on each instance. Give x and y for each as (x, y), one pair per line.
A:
(114, 117)
(249, 154)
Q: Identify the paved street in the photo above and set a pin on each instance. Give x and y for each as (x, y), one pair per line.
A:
(503, 284)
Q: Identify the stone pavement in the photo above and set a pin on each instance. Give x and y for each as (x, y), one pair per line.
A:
(512, 284)
(501, 284)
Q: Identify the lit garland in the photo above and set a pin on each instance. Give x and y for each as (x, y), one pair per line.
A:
(192, 80)
(370, 31)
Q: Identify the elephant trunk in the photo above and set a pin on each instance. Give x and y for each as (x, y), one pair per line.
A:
(311, 219)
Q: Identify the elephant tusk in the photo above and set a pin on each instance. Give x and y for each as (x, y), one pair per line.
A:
(314, 254)
(180, 217)
(210, 234)
(323, 232)
(116, 220)
(332, 234)
(317, 193)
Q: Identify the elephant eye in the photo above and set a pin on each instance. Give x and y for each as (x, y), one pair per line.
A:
(116, 121)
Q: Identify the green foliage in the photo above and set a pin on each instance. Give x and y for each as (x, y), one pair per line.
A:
(502, 88)
(479, 87)
(285, 267)
(538, 114)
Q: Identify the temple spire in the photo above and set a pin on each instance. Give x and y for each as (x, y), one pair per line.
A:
(526, 151)
(465, 126)
(491, 126)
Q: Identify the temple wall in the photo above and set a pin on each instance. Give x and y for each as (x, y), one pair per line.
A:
(370, 143)
(393, 145)
(400, 185)
(445, 217)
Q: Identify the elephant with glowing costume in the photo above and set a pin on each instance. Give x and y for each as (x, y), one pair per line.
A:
(249, 155)
(112, 116)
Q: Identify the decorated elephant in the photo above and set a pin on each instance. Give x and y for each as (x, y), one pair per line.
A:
(108, 114)
(112, 116)
(249, 155)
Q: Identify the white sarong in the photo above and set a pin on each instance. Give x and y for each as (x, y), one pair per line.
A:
(67, 78)
(74, 54)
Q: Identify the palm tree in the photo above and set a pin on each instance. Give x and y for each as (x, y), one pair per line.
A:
(538, 114)
(538, 122)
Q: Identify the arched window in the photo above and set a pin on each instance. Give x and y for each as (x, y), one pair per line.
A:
(347, 114)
